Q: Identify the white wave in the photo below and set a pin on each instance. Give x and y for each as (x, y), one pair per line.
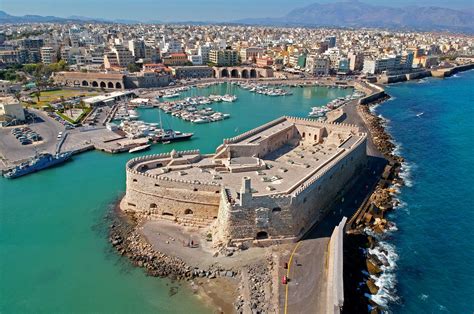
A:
(385, 281)
(405, 173)
(385, 252)
(373, 108)
(423, 297)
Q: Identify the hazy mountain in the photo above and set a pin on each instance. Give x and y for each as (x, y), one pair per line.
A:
(359, 14)
(7, 18)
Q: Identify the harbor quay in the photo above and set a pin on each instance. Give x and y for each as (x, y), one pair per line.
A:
(270, 183)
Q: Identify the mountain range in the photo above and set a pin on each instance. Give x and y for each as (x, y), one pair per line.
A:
(352, 14)
(358, 14)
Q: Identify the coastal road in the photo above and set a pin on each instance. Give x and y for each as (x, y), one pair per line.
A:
(306, 289)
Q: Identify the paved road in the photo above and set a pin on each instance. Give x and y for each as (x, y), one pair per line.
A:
(306, 289)
(352, 117)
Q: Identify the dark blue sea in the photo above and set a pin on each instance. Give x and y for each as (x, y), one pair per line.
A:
(432, 250)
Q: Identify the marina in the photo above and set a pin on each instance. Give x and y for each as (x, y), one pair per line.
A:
(264, 89)
(321, 111)
(192, 109)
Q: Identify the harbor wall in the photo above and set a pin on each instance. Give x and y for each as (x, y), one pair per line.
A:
(335, 281)
(441, 73)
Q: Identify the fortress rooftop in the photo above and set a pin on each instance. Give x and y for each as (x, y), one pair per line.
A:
(280, 158)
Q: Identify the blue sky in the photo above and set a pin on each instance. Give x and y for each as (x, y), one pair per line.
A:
(182, 10)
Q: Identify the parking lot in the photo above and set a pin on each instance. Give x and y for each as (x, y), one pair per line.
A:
(11, 149)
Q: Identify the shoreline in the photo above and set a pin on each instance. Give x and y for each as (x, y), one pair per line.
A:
(369, 228)
(128, 242)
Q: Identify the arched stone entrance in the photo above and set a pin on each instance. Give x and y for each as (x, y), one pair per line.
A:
(102, 85)
(85, 83)
(262, 235)
(245, 73)
(95, 84)
(118, 85)
(253, 73)
(224, 73)
(110, 85)
(234, 73)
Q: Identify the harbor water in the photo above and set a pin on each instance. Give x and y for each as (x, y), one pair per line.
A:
(54, 254)
(433, 248)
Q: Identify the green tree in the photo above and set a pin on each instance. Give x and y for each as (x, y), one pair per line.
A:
(133, 67)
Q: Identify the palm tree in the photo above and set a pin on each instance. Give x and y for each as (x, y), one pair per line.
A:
(37, 94)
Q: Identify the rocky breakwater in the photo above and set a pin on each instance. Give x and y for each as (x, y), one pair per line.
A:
(130, 243)
(371, 219)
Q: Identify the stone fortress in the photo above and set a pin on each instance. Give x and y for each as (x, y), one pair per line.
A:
(265, 186)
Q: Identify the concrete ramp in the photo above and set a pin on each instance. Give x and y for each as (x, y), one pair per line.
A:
(335, 283)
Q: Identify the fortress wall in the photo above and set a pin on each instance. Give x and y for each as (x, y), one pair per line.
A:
(264, 146)
(311, 202)
(264, 214)
(284, 216)
(149, 196)
(336, 126)
(311, 134)
(248, 134)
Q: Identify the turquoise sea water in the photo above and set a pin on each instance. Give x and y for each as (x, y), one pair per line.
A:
(54, 254)
(432, 122)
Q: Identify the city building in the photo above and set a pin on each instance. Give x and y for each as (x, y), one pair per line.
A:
(175, 59)
(49, 55)
(195, 59)
(186, 72)
(223, 57)
(10, 110)
(317, 65)
(356, 61)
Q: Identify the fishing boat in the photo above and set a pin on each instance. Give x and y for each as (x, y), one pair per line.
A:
(139, 148)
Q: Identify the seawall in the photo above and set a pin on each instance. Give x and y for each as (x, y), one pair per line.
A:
(441, 73)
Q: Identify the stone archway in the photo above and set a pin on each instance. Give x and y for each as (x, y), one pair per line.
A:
(261, 235)
(85, 83)
(234, 73)
(188, 211)
(225, 73)
(245, 73)
(102, 85)
(95, 84)
(253, 73)
(118, 85)
(110, 85)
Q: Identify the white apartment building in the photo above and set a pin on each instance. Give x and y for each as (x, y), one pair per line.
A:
(48, 55)
(195, 59)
